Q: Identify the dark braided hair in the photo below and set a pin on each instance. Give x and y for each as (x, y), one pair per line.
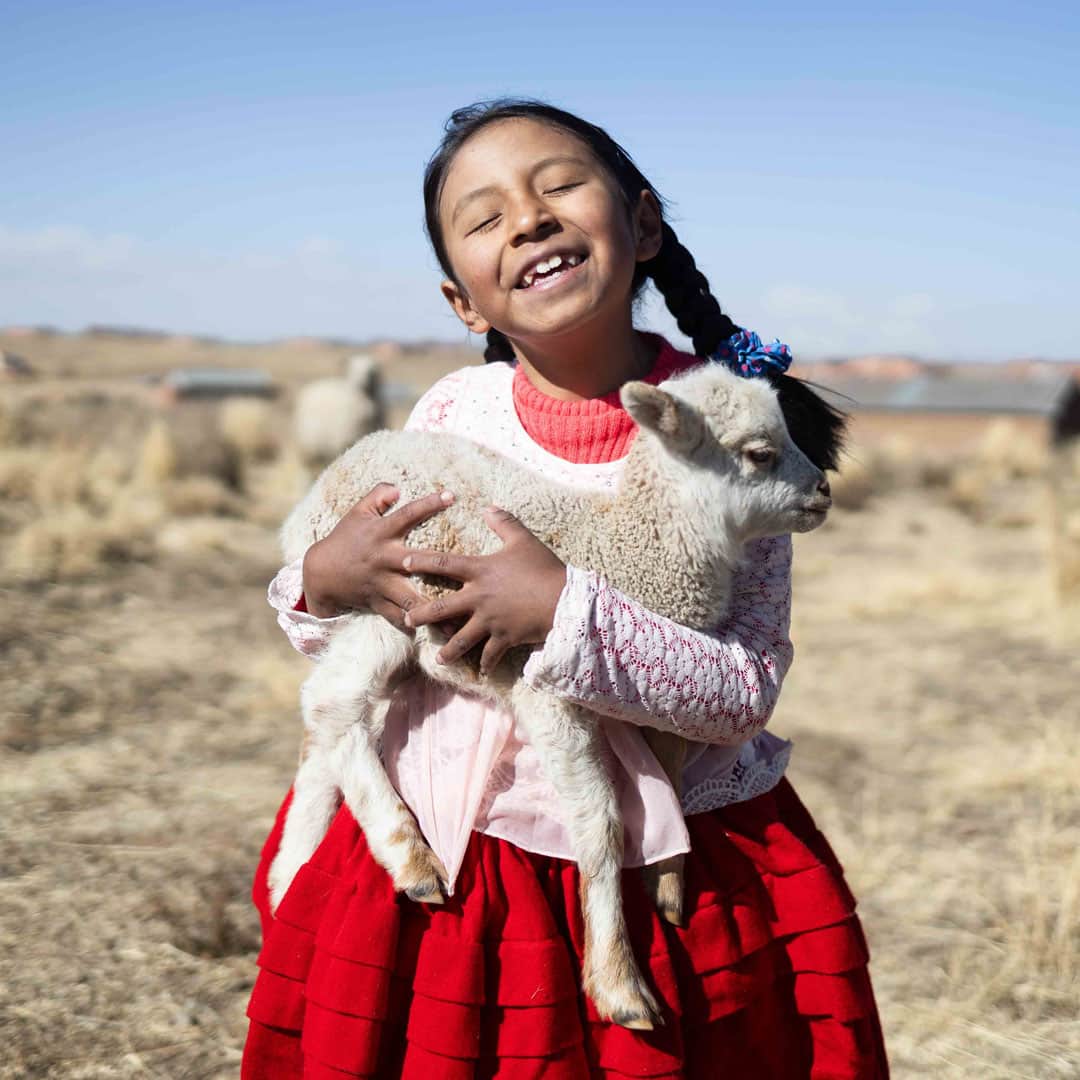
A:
(815, 427)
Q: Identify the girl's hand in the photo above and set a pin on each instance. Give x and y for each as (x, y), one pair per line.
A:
(507, 598)
(358, 563)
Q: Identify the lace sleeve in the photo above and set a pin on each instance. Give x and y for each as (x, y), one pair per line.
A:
(610, 654)
(306, 633)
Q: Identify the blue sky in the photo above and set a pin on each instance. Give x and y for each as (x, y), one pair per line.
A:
(851, 177)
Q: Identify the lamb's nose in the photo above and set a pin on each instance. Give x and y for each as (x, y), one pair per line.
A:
(823, 487)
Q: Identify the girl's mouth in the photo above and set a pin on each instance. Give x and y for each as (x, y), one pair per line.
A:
(549, 272)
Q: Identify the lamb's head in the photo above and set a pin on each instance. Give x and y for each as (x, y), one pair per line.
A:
(362, 373)
(720, 442)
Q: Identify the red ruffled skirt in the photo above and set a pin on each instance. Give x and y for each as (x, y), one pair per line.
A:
(768, 979)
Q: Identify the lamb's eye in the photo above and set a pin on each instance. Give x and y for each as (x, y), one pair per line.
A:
(761, 455)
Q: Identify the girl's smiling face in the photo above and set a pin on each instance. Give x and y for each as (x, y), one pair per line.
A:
(540, 238)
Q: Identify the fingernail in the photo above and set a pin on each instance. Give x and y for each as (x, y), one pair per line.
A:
(447, 496)
(439, 658)
(407, 562)
(407, 619)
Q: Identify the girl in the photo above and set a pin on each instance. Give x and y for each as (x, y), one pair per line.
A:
(546, 232)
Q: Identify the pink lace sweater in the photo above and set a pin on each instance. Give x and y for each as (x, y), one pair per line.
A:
(461, 765)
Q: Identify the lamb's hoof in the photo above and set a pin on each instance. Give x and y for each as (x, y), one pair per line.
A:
(637, 1022)
(669, 904)
(666, 889)
(630, 1005)
(426, 892)
(424, 877)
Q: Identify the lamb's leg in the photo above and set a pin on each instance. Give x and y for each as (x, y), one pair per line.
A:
(664, 879)
(571, 748)
(391, 832)
(315, 801)
(344, 704)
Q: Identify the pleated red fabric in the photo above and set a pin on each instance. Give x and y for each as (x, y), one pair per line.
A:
(768, 980)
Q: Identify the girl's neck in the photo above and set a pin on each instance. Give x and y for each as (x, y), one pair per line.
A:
(584, 365)
(594, 430)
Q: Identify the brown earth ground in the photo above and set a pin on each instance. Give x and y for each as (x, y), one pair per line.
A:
(149, 729)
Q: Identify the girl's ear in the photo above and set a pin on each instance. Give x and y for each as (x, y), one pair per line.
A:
(463, 309)
(648, 226)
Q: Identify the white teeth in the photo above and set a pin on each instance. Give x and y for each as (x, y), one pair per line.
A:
(545, 266)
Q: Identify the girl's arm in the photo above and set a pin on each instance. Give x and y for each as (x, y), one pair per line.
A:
(306, 632)
(608, 653)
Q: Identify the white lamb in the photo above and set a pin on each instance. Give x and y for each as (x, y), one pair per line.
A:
(714, 466)
(332, 413)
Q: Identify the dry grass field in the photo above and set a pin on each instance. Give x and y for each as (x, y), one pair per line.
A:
(149, 725)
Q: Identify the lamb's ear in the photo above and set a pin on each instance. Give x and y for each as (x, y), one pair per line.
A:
(663, 413)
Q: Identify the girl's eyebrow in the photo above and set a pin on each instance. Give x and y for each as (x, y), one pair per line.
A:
(489, 189)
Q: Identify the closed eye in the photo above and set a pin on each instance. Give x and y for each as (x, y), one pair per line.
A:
(484, 225)
(564, 187)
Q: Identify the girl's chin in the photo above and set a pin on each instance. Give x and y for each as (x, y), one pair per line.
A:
(551, 324)
(558, 313)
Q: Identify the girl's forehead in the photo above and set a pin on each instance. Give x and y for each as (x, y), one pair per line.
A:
(506, 146)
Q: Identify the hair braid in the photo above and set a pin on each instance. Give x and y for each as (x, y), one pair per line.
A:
(685, 290)
(498, 347)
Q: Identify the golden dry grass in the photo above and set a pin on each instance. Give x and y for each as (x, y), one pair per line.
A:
(150, 730)
(932, 705)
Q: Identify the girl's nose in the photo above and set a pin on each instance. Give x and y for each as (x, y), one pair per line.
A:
(532, 220)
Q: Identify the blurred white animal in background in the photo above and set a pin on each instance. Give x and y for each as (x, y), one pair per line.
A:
(331, 414)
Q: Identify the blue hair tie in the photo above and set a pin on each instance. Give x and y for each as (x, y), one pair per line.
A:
(744, 354)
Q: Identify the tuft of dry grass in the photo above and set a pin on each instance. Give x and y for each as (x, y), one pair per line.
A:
(73, 542)
(969, 489)
(191, 496)
(1008, 453)
(158, 458)
(18, 466)
(1065, 529)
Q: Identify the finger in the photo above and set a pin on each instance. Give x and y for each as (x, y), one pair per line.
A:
(377, 501)
(390, 612)
(493, 652)
(441, 609)
(412, 513)
(397, 590)
(505, 526)
(441, 563)
(467, 638)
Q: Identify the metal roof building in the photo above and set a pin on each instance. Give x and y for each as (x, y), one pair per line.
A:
(190, 383)
(1055, 399)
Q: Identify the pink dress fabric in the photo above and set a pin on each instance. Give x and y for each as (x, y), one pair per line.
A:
(461, 765)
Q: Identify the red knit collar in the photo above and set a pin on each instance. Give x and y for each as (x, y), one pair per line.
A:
(593, 431)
